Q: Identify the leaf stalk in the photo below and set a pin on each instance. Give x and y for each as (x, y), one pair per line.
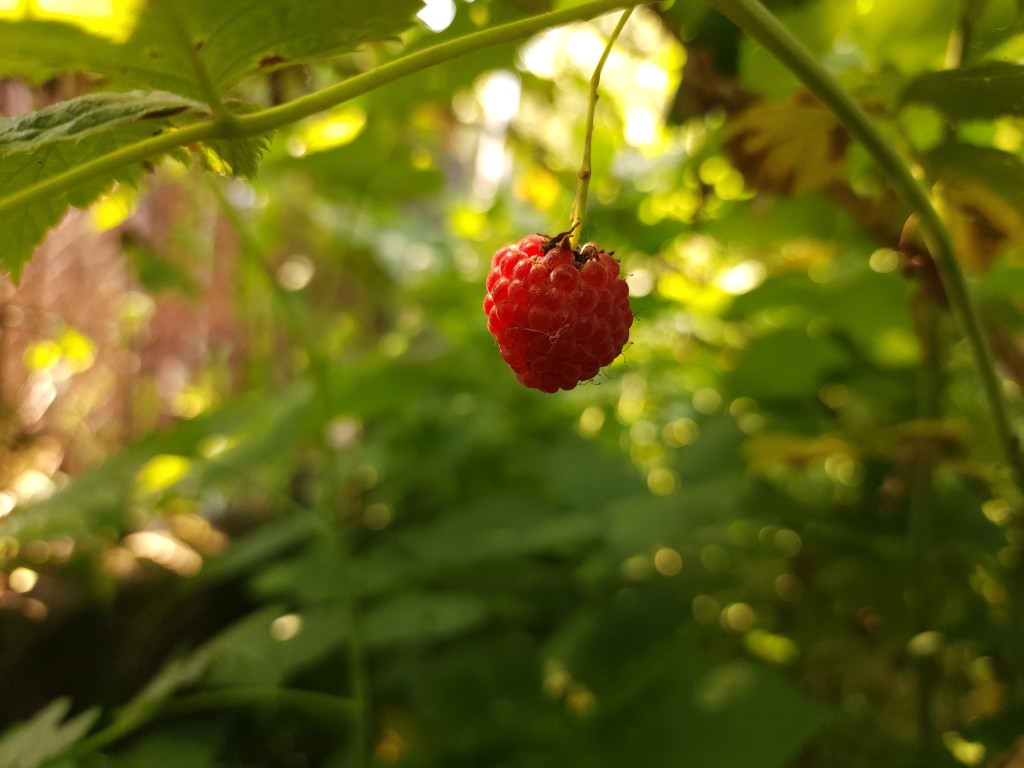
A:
(579, 206)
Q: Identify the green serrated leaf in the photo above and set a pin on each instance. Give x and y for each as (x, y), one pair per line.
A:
(24, 228)
(87, 115)
(981, 92)
(172, 41)
(242, 155)
(43, 144)
(238, 157)
(46, 735)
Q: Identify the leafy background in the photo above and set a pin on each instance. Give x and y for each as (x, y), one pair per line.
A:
(269, 497)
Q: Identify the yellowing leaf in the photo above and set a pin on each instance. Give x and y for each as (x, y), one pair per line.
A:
(787, 147)
(766, 453)
(981, 190)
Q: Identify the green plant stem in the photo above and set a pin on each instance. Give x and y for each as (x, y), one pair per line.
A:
(358, 667)
(579, 206)
(326, 488)
(921, 512)
(751, 17)
(272, 118)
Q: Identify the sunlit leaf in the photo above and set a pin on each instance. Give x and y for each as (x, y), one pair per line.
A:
(40, 145)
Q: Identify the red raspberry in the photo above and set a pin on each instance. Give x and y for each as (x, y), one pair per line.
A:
(558, 315)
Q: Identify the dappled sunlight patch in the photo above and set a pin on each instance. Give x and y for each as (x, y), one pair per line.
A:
(286, 627)
(22, 579)
(773, 648)
(966, 752)
(327, 131)
(437, 14)
(668, 562)
(115, 207)
(161, 472)
(559, 684)
(164, 549)
(114, 19)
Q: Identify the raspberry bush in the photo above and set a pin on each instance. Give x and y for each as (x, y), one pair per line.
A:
(559, 315)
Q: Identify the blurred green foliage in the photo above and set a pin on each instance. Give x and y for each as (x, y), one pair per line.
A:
(776, 532)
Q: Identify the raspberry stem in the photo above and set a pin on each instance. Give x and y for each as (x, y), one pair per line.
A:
(579, 205)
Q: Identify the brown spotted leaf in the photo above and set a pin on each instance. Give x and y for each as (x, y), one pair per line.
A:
(982, 191)
(787, 147)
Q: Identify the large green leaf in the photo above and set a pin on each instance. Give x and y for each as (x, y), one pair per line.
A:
(982, 92)
(25, 227)
(786, 364)
(173, 41)
(183, 46)
(40, 145)
(738, 715)
(85, 116)
(423, 616)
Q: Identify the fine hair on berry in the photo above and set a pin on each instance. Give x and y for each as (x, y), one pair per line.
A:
(559, 315)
